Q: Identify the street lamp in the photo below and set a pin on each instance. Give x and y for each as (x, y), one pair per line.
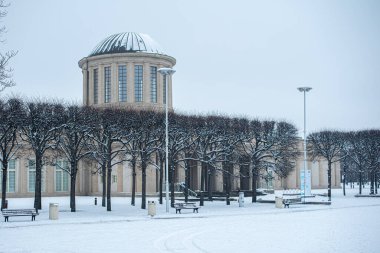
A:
(304, 90)
(166, 72)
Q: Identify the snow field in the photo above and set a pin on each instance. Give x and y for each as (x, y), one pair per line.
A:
(349, 225)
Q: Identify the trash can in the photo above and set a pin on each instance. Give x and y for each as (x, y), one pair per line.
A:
(278, 202)
(53, 211)
(151, 208)
(241, 199)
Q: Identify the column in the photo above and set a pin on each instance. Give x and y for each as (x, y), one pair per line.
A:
(114, 83)
(146, 83)
(101, 84)
(170, 98)
(91, 86)
(84, 73)
(130, 82)
(160, 89)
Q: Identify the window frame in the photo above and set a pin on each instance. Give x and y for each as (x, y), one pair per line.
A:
(139, 83)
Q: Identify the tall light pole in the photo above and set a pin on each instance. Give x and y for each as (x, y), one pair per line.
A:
(304, 90)
(166, 72)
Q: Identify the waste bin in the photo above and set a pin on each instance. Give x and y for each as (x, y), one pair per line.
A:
(241, 199)
(151, 208)
(278, 202)
(53, 211)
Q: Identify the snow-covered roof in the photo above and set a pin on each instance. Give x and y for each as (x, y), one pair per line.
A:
(127, 42)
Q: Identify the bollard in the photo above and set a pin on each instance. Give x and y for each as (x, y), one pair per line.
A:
(241, 199)
(278, 202)
(151, 208)
(96, 201)
(201, 200)
(53, 211)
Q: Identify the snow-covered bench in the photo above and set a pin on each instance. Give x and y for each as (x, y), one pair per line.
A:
(19, 212)
(292, 198)
(189, 205)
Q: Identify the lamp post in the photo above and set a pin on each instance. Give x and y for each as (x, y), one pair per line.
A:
(166, 72)
(304, 90)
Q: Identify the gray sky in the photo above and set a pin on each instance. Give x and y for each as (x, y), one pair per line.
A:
(235, 57)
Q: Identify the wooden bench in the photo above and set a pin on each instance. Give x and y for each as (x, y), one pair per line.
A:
(290, 199)
(179, 206)
(19, 212)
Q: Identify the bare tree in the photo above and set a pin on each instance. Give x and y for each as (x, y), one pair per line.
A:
(107, 143)
(327, 144)
(210, 132)
(147, 123)
(131, 154)
(259, 140)
(285, 153)
(269, 144)
(72, 143)
(5, 72)
(362, 147)
(364, 150)
(10, 114)
(40, 129)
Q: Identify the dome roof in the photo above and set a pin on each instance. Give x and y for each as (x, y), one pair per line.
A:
(128, 42)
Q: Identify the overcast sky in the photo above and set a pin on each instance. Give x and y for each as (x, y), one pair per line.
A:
(234, 57)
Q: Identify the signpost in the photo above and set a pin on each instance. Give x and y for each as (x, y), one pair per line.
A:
(305, 183)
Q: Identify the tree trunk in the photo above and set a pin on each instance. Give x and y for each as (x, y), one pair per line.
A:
(360, 182)
(201, 202)
(133, 182)
(372, 176)
(254, 183)
(209, 188)
(161, 180)
(226, 181)
(4, 183)
(376, 183)
(171, 178)
(328, 180)
(143, 183)
(72, 185)
(104, 183)
(72, 193)
(37, 191)
(344, 182)
(187, 181)
(109, 173)
(109, 177)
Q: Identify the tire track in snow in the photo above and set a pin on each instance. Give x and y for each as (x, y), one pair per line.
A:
(179, 241)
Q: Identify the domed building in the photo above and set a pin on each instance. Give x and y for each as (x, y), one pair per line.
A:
(122, 70)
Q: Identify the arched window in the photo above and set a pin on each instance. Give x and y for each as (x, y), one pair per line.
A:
(96, 89)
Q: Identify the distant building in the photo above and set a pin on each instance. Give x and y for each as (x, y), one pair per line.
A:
(122, 70)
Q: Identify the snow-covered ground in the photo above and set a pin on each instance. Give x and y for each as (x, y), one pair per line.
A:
(348, 225)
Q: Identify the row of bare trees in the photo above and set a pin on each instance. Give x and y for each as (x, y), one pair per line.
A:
(357, 151)
(109, 136)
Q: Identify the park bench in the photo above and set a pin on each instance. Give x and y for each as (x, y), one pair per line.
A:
(19, 212)
(179, 206)
(291, 198)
